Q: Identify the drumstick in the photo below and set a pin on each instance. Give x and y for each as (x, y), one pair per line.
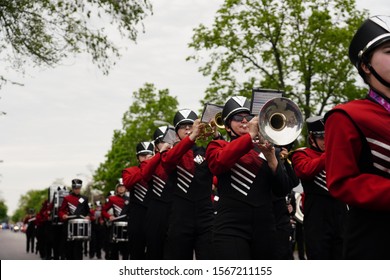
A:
(119, 217)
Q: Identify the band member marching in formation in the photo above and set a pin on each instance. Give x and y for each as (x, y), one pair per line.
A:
(191, 217)
(98, 235)
(248, 174)
(358, 146)
(134, 181)
(324, 215)
(75, 206)
(284, 228)
(120, 205)
(29, 223)
(160, 198)
(42, 223)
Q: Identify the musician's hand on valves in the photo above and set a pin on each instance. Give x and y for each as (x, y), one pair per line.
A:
(283, 153)
(195, 133)
(65, 217)
(112, 218)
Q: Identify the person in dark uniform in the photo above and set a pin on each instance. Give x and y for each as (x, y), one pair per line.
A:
(120, 204)
(284, 228)
(133, 179)
(358, 146)
(324, 215)
(42, 223)
(29, 222)
(298, 222)
(96, 243)
(73, 206)
(160, 198)
(248, 174)
(192, 215)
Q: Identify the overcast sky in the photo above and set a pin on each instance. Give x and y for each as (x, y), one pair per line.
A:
(60, 123)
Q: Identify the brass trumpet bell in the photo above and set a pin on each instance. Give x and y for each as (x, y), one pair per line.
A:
(280, 121)
(217, 121)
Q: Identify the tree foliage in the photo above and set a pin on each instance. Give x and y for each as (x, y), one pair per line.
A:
(149, 105)
(296, 46)
(3, 210)
(31, 200)
(44, 32)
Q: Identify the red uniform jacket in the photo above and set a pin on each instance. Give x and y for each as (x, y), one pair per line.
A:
(242, 174)
(358, 165)
(193, 177)
(74, 205)
(118, 203)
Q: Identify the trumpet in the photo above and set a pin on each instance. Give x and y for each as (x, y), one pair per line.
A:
(208, 129)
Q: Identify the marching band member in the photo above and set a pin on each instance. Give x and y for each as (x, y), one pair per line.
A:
(248, 173)
(42, 222)
(324, 215)
(358, 146)
(74, 205)
(29, 223)
(191, 217)
(119, 203)
(135, 183)
(96, 243)
(160, 199)
(284, 228)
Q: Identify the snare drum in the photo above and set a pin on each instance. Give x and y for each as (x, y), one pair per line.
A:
(119, 232)
(79, 229)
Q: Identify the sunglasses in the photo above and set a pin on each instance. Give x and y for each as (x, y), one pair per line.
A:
(239, 118)
(319, 135)
(184, 126)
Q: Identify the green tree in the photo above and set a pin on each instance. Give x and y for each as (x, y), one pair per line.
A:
(44, 32)
(31, 200)
(3, 210)
(148, 106)
(296, 46)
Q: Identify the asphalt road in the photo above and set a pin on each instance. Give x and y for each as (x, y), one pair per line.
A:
(13, 246)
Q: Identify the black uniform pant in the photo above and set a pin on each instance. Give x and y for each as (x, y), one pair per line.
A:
(96, 243)
(367, 235)
(156, 227)
(323, 227)
(137, 238)
(74, 250)
(243, 232)
(190, 230)
(30, 239)
(119, 250)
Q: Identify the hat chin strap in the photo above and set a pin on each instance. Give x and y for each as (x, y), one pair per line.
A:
(376, 75)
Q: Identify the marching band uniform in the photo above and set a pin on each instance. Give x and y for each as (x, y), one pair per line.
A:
(120, 205)
(77, 205)
(42, 222)
(136, 183)
(357, 143)
(284, 228)
(29, 222)
(244, 226)
(96, 243)
(191, 217)
(324, 215)
(160, 201)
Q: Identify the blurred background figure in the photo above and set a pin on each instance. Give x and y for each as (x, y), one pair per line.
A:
(29, 222)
